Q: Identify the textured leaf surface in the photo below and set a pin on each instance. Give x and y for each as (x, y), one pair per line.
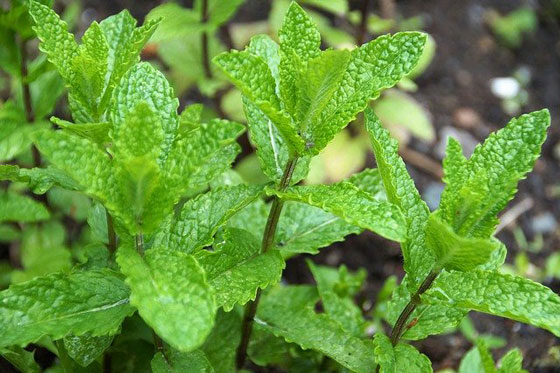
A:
(169, 289)
(57, 305)
(299, 41)
(251, 75)
(354, 206)
(402, 192)
(369, 181)
(512, 362)
(236, 268)
(401, 358)
(288, 312)
(59, 45)
(373, 67)
(456, 252)
(201, 217)
(498, 294)
(96, 132)
(19, 208)
(271, 148)
(86, 348)
(143, 83)
(495, 167)
(203, 154)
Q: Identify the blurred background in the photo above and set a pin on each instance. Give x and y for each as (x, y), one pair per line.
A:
(485, 62)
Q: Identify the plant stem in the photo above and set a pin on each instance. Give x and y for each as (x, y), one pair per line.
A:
(204, 41)
(139, 241)
(400, 325)
(267, 243)
(362, 30)
(26, 94)
(111, 235)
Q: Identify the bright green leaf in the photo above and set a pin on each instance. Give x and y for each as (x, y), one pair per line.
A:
(170, 291)
(54, 306)
(20, 208)
(85, 349)
(401, 358)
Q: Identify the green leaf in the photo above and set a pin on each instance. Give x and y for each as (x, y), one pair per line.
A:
(236, 268)
(221, 345)
(170, 291)
(23, 360)
(369, 181)
(288, 313)
(43, 251)
(306, 229)
(471, 362)
(143, 83)
(486, 359)
(201, 217)
(251, 75)
(317, 85)
(219, 11)
(175, 361)
(125, 43)
(96, 132)
(140, 135)
(401, 191)
(177, 22)
(456, 252)
(55, 41)
(18, 208)
(354, 206)
(512, 362)
(495, 167)
(374, 66)
(498, 294)
(300, 41)
(202, 155)
(271, 148)
(337, 301)
(401, 358)
(85, 349)
(54, 306)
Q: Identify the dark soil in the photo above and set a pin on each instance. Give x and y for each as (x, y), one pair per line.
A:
(467, 57)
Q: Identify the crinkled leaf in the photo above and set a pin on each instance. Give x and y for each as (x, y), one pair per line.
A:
(85, 349)
(299, 42)
(54, 306)
(169, 289)
(143, 83)
(203, 154)
(498, 294)
(271, 148)
(495, 167)
(400, 190)
(374, 66)
(401, 358)
(59, 45)
(288, 312)
(306, 229)
(251, 75)
(354, 206)
(369, 181)
(20, 208)
(201, 217)
(456, 252)
(236, 268)
(39, 180)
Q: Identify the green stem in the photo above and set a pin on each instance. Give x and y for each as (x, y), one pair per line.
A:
(402, 321)
(65, 360)
(267, 243)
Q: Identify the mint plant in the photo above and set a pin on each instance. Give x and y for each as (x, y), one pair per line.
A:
(181, 265)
